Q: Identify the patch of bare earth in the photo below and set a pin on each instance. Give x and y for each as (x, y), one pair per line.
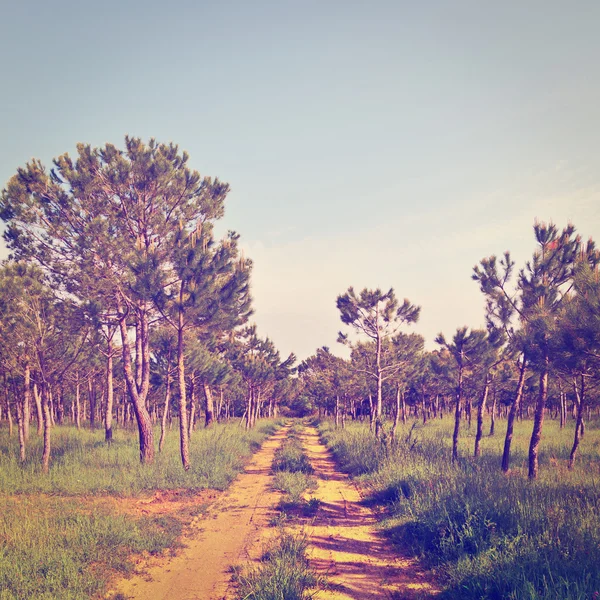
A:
(345, 545)
(228, 531)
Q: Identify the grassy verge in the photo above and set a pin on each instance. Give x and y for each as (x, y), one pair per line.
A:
(490, 535)
(61, 538)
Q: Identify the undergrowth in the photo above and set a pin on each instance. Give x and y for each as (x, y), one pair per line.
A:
(491, 535)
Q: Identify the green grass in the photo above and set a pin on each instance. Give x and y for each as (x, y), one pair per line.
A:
(82, 463)
(58, 541)
(52, 549)
(489, 535)
(284, 573)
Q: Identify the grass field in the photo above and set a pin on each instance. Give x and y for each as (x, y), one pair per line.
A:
(488, 535)
(60, 537)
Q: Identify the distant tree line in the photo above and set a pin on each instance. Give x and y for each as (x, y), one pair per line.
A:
(539, 352)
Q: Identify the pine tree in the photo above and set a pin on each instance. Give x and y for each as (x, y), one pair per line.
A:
(377, 316)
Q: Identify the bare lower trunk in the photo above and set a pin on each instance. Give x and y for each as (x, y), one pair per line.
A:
(138, 395)
(92, 400)
(249, 408)
(210, 410)
(220, 404)
(27, 402)
(457, 416)
(337, 411)
(396, 414)
(47, 427)
(538, 421)
(184, 444)
(580, 395)
(493, 416)
(38, 408)
(163, 422)
(256, 412)
(514, 407)
(77, 403)
(108, 432)
(194, 405)
(480, 410)
(7, 401)
(20, 425)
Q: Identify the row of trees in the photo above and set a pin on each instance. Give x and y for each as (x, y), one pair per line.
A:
(544, 321)
(113, 255)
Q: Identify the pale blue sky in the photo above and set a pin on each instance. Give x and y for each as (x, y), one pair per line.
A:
(366, 144)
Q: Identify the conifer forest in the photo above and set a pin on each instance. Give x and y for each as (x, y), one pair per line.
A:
(135, 390)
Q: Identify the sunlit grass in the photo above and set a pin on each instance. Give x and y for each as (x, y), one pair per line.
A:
(491, 535)
(82, 462)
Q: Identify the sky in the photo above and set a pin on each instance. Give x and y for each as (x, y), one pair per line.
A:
(380, 144)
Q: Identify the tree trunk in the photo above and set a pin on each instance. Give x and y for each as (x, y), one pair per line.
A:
(337, 411)
(163, 422)
(20, 427)
(184, 443)
(220, 404)
(563, 406)
(47, 427)
(210, 405)
(27, 402)
(193, 402)
(257, 402)
(580, 395)
(137, 394)
(457, 416)
(108, 432)
(493, 414)
(480, 410)
(396, 414)
(8, 413)
(38, 407)
(536, 434)
(92, 399)
(379, 408)
(77, 403)
(249, 408)
(371, 413)
(514, 407)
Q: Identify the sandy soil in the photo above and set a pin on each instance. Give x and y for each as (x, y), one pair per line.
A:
(345, 545)
(225, 535)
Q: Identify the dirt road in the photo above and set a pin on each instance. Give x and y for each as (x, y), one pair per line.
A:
(345, 544)
(233, 525)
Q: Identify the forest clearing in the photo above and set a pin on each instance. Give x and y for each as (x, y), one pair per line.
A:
(142, 445)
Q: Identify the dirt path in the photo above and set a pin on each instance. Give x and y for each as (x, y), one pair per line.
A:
(345, 545)
(235, 523)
